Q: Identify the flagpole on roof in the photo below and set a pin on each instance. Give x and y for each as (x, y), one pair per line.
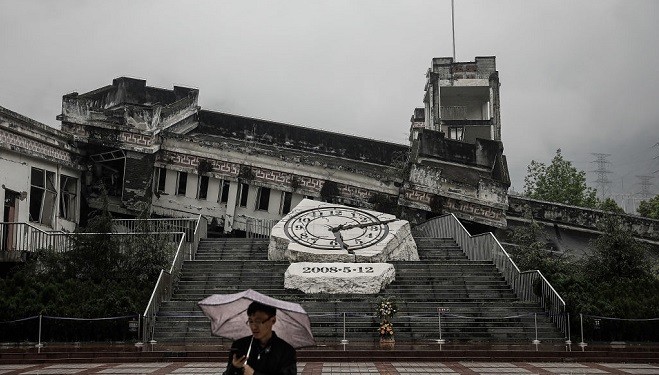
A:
(453, 25)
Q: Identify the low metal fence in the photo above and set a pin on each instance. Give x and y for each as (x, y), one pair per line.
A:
(341, 327)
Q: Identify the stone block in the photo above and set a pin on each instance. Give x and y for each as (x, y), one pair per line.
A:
(333, 278)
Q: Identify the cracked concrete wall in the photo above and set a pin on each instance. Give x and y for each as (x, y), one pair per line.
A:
(578, 217)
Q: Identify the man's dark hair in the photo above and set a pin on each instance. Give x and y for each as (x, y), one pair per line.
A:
(258, 306)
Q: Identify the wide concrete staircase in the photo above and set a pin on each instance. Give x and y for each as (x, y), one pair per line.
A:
(479, 305)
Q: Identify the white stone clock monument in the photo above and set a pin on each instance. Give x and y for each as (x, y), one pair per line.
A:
(337, 249)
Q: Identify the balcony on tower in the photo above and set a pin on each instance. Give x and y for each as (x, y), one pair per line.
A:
(462, 99)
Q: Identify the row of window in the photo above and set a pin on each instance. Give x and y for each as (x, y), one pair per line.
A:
(262, 198)
(43, 195)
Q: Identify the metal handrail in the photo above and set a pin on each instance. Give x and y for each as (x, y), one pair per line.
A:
(27, 237)
(258, 228)
(186, 225)
(162, 291)
(486, 247)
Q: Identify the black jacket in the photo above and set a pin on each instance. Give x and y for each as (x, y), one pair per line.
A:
(276, 358)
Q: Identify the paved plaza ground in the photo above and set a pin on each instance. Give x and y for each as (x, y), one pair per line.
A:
(321, 368)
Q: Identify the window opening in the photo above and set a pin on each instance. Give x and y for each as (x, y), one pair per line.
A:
(162, 179)
(68, 198)
(263, 199)
(42, 196)
(244, 192)
(181, 183)
(456, 133)
(202, 189)
(286, 197)
(224, 191)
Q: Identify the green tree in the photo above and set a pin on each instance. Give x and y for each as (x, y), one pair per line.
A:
(559, 182)
(617, 278)
(101, 275)
(621, 280)
(532, 252)
(610, 205)
(649, 208)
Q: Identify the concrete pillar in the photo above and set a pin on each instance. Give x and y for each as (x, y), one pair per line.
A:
(230, 214)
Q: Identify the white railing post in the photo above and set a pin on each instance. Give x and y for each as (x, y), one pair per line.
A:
(344, 341)
(582, 344)
(439, 317)
(536, 342)
(568, 342)
(39, 344)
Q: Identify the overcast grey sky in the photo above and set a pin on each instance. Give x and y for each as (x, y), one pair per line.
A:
(577, 75)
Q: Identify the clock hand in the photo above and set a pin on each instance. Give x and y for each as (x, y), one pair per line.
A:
(339, 240)
(359, 225)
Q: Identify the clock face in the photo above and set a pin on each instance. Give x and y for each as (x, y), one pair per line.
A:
(314, 228)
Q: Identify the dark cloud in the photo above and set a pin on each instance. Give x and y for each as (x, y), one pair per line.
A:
(580, 76)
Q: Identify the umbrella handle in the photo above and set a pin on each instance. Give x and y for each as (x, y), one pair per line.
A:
(249, 350)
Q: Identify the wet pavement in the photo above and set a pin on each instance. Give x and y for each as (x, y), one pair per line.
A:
(321, 368)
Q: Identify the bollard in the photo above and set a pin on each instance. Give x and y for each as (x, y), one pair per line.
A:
(536, 342)
(39, 345)
(140, 339)
(568, 342)
(582, 344)
(440, 340)
(344, 341)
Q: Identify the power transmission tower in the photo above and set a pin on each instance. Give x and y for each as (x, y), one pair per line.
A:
(656, 157)
(602, 174)
(645, 186)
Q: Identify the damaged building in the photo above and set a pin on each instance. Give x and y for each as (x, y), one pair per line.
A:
(155, 149)
(152, 147)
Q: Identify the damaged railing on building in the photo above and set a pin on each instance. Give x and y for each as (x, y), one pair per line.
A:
(528, 285)
(25, 237)
(254, 227)
(185, 225)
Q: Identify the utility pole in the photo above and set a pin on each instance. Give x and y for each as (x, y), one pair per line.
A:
(602, 171)
(656, 157)
(645, 186)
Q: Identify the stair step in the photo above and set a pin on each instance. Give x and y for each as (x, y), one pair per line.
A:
(478, 299)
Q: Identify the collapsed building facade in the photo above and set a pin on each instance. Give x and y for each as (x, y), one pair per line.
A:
(154, 149)
(151, 147)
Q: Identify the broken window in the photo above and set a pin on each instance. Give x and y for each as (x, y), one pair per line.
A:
(68, 198)
(223, 196)
(202, 187)
(181, 183)
(161, 178)
(456, 133)
(263, 199)
(244, 192)
(42, 196)
(286, 197)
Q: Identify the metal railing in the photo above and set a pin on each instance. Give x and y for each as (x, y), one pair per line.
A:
(162, 291)
(464, 75)
(453, 112)
(528, 285)
(258, 228)
(185, 225)
(26, 237)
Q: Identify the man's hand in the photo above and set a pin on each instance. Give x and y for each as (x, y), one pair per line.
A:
(238, 362)
(248, 370)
